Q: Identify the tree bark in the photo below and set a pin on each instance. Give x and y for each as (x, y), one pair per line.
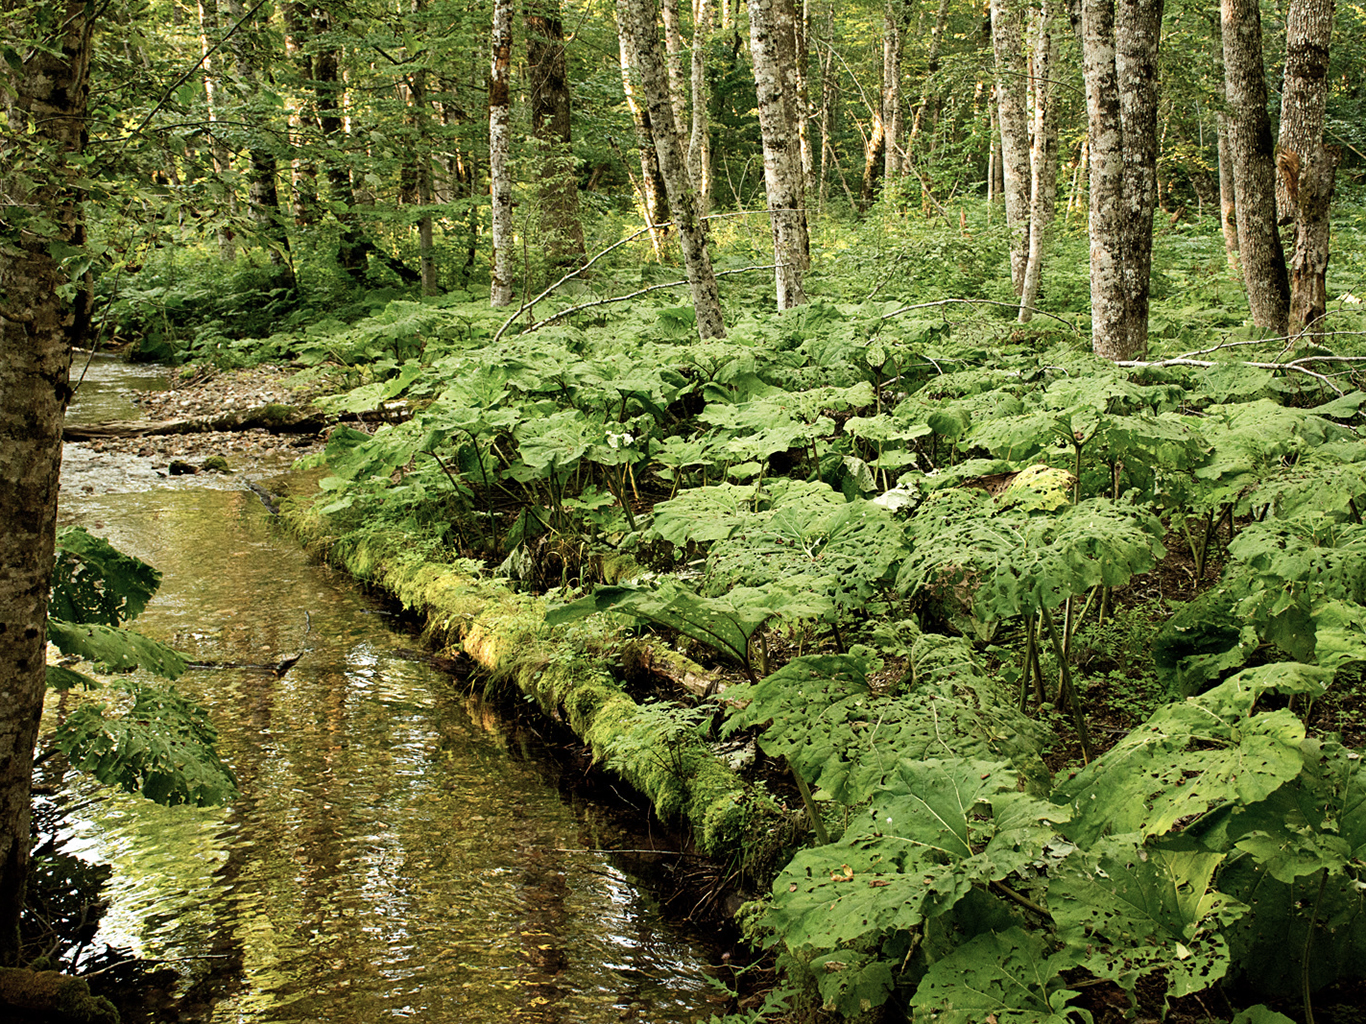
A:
(1304, 95)
(941, 19)
(1313, 192)
(500, 136)
(699, 143)
(772, 44)
(1120, 41)
(1012, 90)
(550, 125)
(802, 91)
(1304, 188)
(636, 20)
(891, 92)
(1043, 154)
(44, 93)
(652, 191)
(1254, 176)
(673, 59)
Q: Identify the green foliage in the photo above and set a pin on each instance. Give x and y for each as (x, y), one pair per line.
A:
(94, 582)
(162, 747)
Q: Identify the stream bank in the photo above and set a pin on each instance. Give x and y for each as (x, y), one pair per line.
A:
(400, 847)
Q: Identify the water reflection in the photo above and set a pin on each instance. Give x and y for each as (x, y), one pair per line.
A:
(389, 857)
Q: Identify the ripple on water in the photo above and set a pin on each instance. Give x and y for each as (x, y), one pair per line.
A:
(389, 857)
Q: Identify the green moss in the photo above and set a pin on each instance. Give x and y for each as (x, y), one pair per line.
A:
(564, 673)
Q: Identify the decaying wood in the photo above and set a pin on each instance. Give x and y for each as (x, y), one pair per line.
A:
(278, 419)
(642, 658)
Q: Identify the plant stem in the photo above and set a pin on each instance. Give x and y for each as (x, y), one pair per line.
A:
(1069, 693)
(817, 825)
(1308, 945)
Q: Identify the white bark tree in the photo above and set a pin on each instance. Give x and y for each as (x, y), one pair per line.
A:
(1043, 153)
(891, 92)
(637, 20)
(772, 45)
(1012, 91)
(699, 142)
(1119, 52)
(500, 136)
(653, 199)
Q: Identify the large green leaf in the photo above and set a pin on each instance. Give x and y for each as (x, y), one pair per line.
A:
(1202, 753)
(1005, 977)
(162, 747)
(92, 581)
(114, 650)
(1133, 910)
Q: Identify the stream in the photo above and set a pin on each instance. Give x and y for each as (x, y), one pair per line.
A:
(398, 851)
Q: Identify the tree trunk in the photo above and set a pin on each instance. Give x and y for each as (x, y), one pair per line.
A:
(1119, 47)
(673, 59)
(652, 190)
(772, 44)
(802, 24)
(699, 143)
(829, 100)
(500, 174)
(1012, 89)
(1304, 188)
(222, 159)
(303, 171)
(263, 197)
(872, 164)
(550, 125)
(1043, 153)
(44, 90)
(891, 92)
(421, 113)
(636, 20)
(1254, 176)
(1304, 94)
(1312, 193)
(941, 19)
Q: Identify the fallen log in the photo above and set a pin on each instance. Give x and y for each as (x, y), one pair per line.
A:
(278, 419)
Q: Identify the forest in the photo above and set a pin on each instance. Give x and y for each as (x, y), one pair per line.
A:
(915, 445)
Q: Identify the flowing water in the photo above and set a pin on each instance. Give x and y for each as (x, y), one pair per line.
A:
(397, 852)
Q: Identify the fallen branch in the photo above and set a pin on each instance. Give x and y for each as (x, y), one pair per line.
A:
(1296, 365)
(277, 419)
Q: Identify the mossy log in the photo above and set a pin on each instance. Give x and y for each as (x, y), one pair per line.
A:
(564, 671)
(278, 419)
(51, 997)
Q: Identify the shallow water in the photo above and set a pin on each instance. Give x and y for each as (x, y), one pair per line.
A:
(396, 853)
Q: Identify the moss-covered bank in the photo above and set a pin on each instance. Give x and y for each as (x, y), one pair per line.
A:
(565, 670)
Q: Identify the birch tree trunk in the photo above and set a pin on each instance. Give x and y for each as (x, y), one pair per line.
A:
(1012, 85)
(1228, 203)
(43, 97)
(547, 72)
(1254, 176)
(500, 174)
(652, 191)
(891, 92)
(699, 143)
(1305, 187)
(673, 59)
(772, 45)
(802, 24)
(1043, 153)
(1119, 50)
(636, 19)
